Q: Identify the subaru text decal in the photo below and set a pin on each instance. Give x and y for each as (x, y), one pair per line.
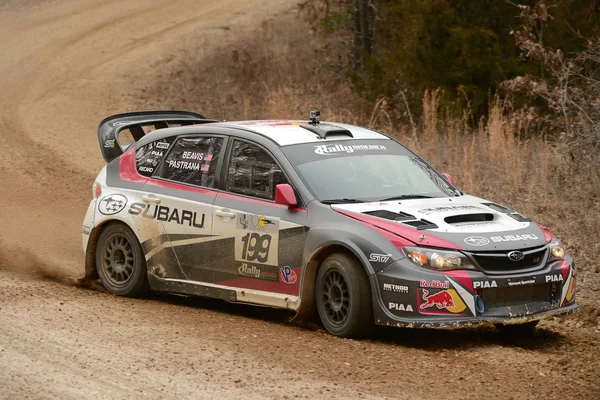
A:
(166, 214)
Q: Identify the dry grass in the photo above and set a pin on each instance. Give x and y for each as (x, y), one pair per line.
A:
(283, 70)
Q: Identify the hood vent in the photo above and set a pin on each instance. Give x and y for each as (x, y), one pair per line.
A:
(394, 216)
(498, 207)
(422, 224)
(481, 217)
(511, 213)
(519, 217)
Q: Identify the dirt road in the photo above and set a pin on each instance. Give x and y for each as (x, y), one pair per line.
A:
(64, 65)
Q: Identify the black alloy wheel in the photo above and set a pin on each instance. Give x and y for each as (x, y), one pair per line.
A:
(336, 299)
(343, 297)
(120, 262)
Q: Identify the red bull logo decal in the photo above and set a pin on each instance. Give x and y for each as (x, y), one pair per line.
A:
(443, 301)
(434, 284)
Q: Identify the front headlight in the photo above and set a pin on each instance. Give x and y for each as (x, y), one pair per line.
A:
(557, 251)
(437, 259)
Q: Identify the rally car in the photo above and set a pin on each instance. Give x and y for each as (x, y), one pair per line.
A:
(313, 217)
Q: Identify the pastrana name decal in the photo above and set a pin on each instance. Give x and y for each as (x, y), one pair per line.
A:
(166, 214)
(184, 165)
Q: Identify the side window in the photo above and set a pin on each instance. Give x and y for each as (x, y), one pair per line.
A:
(253, 171)
(149, 156)
(192, 160)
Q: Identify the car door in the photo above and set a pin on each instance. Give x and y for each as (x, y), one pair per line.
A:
(260, 243)
(180, 194)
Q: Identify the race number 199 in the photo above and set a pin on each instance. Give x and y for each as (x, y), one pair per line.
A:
(256, 247)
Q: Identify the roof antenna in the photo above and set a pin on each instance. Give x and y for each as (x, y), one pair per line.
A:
(220, 96)
(314, 117)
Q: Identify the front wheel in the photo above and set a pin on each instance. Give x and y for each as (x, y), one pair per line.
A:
(120, 262)
(344, 297)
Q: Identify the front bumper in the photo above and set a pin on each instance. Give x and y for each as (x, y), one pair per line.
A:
(410, 296)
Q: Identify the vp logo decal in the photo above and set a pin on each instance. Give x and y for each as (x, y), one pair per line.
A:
(112, 204)
(287, 275)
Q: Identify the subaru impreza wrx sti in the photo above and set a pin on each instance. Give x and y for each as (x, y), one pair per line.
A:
(313, 217)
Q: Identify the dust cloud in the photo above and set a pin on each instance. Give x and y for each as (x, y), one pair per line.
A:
(22, 261)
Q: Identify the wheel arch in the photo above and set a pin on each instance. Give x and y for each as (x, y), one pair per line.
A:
(308, 310)
(90, 253)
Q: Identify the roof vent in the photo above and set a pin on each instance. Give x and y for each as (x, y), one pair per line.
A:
(324, 130)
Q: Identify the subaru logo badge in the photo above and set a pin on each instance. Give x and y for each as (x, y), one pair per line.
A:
(515, 256)
(477, 241)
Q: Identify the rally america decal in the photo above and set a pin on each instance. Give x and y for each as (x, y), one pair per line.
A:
(339, 148)
(265, 272)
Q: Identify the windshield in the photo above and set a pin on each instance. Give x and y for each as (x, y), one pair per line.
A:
(361, 170)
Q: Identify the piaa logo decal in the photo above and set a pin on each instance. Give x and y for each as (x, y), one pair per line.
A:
(477, 241)
(287, 275)
(112, 204)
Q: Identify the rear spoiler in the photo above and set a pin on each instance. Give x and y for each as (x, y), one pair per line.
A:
(110, 127)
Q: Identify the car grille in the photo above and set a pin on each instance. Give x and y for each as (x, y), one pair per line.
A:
(499, 263)
(516, 296)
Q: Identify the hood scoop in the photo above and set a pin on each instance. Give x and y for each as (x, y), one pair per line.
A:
(479, 217)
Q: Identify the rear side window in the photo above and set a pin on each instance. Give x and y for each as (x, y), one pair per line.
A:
(193, 160)
(149, 156)
(253, 171)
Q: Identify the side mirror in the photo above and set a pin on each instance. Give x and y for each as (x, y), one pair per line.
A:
(449, 178)
(284, 194)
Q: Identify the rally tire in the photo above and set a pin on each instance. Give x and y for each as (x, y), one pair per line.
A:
(344, 298)
(525, 329)
(120, 262)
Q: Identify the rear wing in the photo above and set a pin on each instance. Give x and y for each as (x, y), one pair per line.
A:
(139, 124)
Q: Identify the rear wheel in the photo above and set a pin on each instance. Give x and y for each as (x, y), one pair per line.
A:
(528, 328)
(344, 297)
(120, 262)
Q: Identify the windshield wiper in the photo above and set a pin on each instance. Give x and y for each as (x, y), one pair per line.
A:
(406, 196)
(342, 201)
